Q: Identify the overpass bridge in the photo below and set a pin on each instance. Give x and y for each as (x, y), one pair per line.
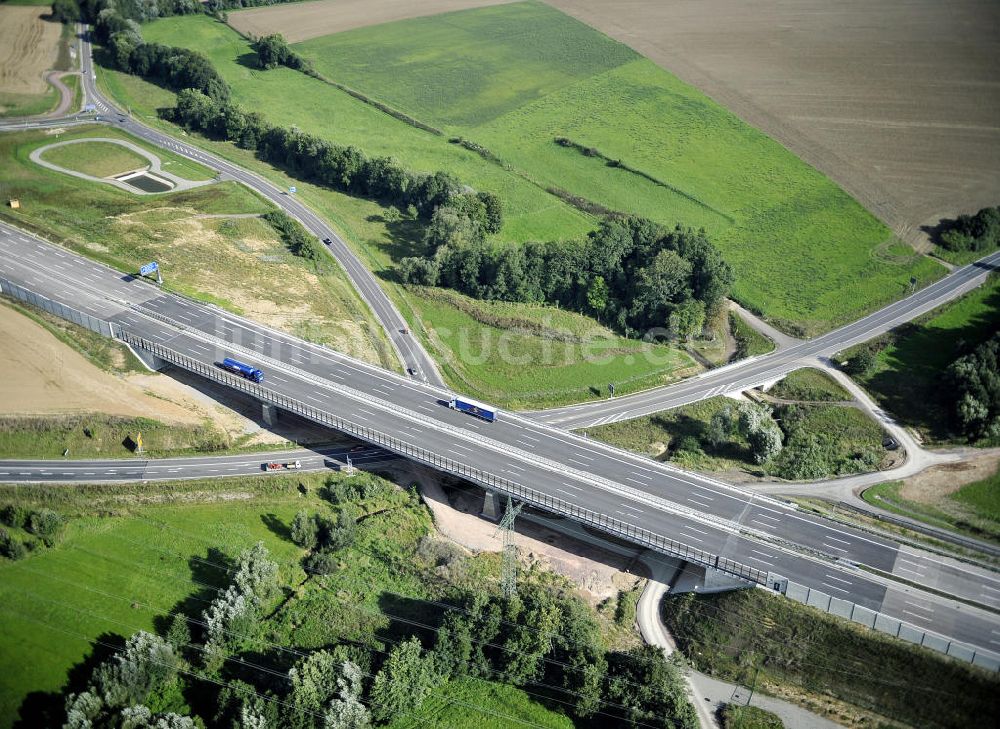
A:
(758, 540)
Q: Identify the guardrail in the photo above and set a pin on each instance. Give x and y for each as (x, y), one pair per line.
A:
(490, 481)
(54, 307)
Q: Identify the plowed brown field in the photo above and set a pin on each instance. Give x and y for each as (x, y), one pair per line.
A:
(301, 21)
(896, 100)
(29, 46)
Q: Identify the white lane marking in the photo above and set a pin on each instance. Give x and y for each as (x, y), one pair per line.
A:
(565, 492)
(569, 485)
(838, 579)
(918, 616)
(830, 546)
(461, 447)
(314, 399)
(842, 541)
(640, 511)
(579, 463)
(834, 587)
(629, 478)
(692, 529)
(918, 606)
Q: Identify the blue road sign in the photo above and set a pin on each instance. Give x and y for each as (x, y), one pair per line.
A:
(292, 189)
(149, 268)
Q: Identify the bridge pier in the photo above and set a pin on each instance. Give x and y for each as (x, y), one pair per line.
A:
(269, 413)
(492, 508)
(151, 361)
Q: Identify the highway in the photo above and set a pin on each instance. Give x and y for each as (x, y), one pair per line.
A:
(704, 514)
(111, 470)
(767, 535)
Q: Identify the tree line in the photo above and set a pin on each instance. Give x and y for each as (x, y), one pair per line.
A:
(979, 232)
(630, 273)
(348, 169)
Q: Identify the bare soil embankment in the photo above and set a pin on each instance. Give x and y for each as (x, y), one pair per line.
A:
(897, 101)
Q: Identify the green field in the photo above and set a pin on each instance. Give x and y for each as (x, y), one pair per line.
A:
(974, 509)
(289, 98)
(98, 159)
(849, 441)
(810, 385)
(236, 262)
(911, 360)
(805, 253)
(809, 656)
(498, 707)
(737, 716)
(519, 355)
(28, 104)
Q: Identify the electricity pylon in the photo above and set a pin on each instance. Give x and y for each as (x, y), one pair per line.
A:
(508, 574)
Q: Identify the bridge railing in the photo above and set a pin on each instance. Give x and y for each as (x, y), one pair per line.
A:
(486, 479)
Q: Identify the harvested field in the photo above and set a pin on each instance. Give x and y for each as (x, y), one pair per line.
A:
(301, 21)
(29, 46)
(898, 102)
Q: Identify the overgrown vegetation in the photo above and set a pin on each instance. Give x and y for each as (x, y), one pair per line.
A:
(105, 436)
(973, 509)
(798, 442)
(731, 635)
(273, 51)
(630, 273)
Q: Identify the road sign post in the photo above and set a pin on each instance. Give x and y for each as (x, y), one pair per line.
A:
(151, 267)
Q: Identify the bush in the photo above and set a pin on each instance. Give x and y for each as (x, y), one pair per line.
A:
(45, 524)
(14, 516)
(11, 547)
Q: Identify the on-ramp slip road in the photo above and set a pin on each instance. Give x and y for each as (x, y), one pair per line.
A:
(702, 513)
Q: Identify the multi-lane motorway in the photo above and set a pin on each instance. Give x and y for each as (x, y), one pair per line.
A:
(767, 535)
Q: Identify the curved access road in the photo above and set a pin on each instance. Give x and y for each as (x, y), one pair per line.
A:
(756, 371)
(415, 360)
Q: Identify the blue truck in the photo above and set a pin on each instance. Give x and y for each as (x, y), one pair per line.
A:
(243, 370)
(465, 405)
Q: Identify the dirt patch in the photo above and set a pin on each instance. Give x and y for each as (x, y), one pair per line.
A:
(43, 376)
(898, 102)
(29, 46)
(243, 261)
(929, 486)
(302, 21)
(599, 574)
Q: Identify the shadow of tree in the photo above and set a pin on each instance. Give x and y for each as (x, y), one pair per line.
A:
(276, 526)
(47, 708)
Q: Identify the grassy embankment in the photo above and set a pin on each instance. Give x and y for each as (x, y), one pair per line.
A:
(520, 355)
(513, 78)
(749, 342)
(973, 509)
(849, 439)
(204, 251)
(810, 385)
(906, 379)
(131, 554)
(810, 656)
(98, 159)
(736, 716)
(381, 235)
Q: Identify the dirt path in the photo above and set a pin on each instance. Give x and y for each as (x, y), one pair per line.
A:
(65, 93)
